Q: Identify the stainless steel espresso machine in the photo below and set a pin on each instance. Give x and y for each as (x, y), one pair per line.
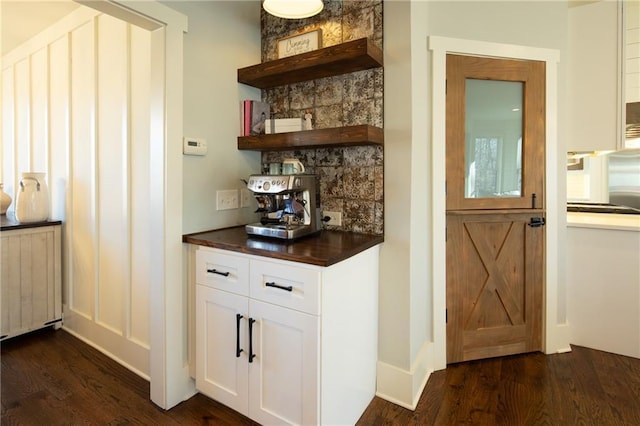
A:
(290, 205)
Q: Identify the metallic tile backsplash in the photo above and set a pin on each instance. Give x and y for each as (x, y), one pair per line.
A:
(351, 178)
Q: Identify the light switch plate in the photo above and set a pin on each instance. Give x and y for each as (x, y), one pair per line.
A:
(227, 199)
(194, 146)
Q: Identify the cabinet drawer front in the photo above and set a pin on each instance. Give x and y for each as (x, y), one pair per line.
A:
(286, 285)
(222, 271)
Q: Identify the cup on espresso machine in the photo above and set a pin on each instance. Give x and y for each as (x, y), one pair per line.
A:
(274, 168)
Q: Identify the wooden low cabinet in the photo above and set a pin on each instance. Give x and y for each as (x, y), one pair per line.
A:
(283, 342)
(31, 295)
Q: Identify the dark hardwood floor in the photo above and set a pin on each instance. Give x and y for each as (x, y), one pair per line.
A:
(51, 378)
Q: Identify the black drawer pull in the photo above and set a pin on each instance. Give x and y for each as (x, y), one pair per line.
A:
(281, 287)
(238, 349)
(215, 271)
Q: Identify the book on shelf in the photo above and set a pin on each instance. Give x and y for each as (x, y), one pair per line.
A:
(254, 115)
(282, 125)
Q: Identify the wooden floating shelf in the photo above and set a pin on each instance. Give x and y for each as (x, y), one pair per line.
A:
(357, 55)
(334, 137)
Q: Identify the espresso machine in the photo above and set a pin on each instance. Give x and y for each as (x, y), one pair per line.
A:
(289, 204)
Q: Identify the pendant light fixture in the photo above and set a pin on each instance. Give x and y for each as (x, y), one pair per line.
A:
(293, 9)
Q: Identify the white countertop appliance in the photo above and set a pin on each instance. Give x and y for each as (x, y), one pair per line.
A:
(289, 204)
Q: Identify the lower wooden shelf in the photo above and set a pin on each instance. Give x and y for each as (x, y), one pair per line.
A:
(334, 137)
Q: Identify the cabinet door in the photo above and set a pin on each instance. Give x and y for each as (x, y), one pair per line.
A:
(30, 278)
(221, 350)
(283, 375)
(593, 99)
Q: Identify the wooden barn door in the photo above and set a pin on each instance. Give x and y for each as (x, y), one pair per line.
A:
(495, 206)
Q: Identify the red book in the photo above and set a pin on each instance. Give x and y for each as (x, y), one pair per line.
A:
(247, 117)
(241, 115)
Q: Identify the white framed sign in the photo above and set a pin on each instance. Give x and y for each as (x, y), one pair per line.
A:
(299, 43)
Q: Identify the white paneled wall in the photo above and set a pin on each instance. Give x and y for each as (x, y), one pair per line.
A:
(75, 104)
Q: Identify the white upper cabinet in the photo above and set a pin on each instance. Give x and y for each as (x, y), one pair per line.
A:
(593, 79)
(632, 73)
(632, 51)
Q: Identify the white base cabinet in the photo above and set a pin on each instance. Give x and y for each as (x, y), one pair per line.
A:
(283, 342)
(277, 360)
(603, 289)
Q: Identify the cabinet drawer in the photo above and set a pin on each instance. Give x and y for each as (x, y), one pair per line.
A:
(286, 285)
(222, 271)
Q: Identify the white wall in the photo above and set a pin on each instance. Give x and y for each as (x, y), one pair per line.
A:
(406, 290)
(76, 106)
(223, 36)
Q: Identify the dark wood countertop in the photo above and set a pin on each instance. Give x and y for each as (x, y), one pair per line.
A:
(9, 223)
(323, 249)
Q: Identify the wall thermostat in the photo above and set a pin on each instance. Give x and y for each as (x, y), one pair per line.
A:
(194, 146)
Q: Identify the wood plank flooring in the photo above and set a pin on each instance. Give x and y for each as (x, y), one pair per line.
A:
(583, 387)
(51, 378)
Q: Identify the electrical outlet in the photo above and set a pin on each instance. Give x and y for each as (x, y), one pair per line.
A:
(335, 218)
(245, 198)
(227, 199)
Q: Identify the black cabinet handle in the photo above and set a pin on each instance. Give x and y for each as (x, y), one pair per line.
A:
(238, 350)
(281, 287)
(251, 354)
(215, 271)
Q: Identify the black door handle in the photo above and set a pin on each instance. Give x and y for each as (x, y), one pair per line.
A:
(238, 350)
(536, 221)
(251, 354)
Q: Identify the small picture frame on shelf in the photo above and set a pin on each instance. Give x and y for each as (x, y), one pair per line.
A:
(299, 43)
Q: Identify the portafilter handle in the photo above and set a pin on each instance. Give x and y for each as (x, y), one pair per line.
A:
(267, 220)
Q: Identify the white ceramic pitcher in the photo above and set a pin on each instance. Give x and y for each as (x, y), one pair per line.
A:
(292, 166)
(32, 201)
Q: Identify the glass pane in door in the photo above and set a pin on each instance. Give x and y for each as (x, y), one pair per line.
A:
(493, 138)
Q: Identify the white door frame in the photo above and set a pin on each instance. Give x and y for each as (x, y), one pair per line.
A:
(556, 336)
(169, 368)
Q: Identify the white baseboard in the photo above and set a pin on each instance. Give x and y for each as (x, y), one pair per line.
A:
(561, 340)
(105, 352)
(404, 387)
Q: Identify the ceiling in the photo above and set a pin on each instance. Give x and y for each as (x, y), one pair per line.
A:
(23, 19)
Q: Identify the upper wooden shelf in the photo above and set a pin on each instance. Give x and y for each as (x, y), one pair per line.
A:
(337, 136)
(357, 55)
